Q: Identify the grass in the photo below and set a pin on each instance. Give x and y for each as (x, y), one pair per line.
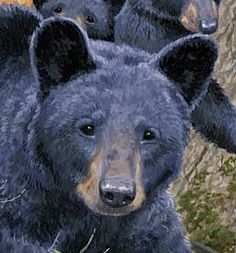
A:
(201, 210)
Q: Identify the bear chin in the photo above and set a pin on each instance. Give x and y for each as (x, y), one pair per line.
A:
(98, 207)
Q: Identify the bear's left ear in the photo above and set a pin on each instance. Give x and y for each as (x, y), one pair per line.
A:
(189, 63)
(59, 51)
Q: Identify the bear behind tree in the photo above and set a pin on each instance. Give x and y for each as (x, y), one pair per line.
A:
(87, 147)
(150, 25)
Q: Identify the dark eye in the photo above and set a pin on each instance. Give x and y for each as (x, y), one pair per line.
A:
(149, 135)
(58, 10)
(88, 130)
(91, 19)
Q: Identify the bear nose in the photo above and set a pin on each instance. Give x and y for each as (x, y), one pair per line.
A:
(209, 25)
(116, 192)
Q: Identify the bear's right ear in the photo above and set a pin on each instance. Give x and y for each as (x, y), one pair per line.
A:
(189, 63)
(59, 51)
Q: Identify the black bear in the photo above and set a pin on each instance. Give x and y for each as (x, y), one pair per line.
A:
(152, 24)
(95, 16)
(90, 147)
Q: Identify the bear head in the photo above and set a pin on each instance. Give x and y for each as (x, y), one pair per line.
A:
(195, 15)
(95, 16)
(110, 131)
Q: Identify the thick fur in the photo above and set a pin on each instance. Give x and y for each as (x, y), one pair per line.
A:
(150, 25)
(44, 155)
(20, 23)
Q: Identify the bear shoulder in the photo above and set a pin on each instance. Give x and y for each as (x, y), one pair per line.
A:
(17, 24)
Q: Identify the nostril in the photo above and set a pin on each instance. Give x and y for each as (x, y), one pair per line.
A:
(128, 199)
(109, 196)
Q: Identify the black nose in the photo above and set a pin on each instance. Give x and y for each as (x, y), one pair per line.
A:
(116, 192)
(209, 25)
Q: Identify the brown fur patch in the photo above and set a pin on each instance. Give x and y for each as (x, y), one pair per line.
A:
(88, 189)
(140, 194)
(190, 17)
(120, 169)
(80, 22)
(118, 164)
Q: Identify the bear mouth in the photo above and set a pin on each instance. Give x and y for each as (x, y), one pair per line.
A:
(104, 210)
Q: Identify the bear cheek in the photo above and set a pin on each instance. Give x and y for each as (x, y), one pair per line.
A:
(88, 189)
(189, 17)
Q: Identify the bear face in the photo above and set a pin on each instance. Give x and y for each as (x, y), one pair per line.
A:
(104, 143)
(98, 138)
(95, 16)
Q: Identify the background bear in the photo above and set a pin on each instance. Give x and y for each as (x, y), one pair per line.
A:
(84, 152)
(96, 16)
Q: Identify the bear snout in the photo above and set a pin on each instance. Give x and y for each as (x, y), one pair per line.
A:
(208, 25)
(116, 192)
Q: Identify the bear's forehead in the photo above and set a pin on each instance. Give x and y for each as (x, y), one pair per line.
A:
(92, 4)
(122, 82)
(119, 94)
(122, 109)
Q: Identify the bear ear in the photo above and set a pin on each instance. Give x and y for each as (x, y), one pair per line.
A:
(189, 63)
(59, 51)
(115, 6)
(38, 3)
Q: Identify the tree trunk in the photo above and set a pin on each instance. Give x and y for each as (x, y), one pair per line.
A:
(206, 191)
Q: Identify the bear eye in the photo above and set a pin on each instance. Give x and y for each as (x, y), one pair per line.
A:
(58, 10)
(88, 130)
(91, 19)
(149, 135)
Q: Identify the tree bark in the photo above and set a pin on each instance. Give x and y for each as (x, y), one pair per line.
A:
(201, 156)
